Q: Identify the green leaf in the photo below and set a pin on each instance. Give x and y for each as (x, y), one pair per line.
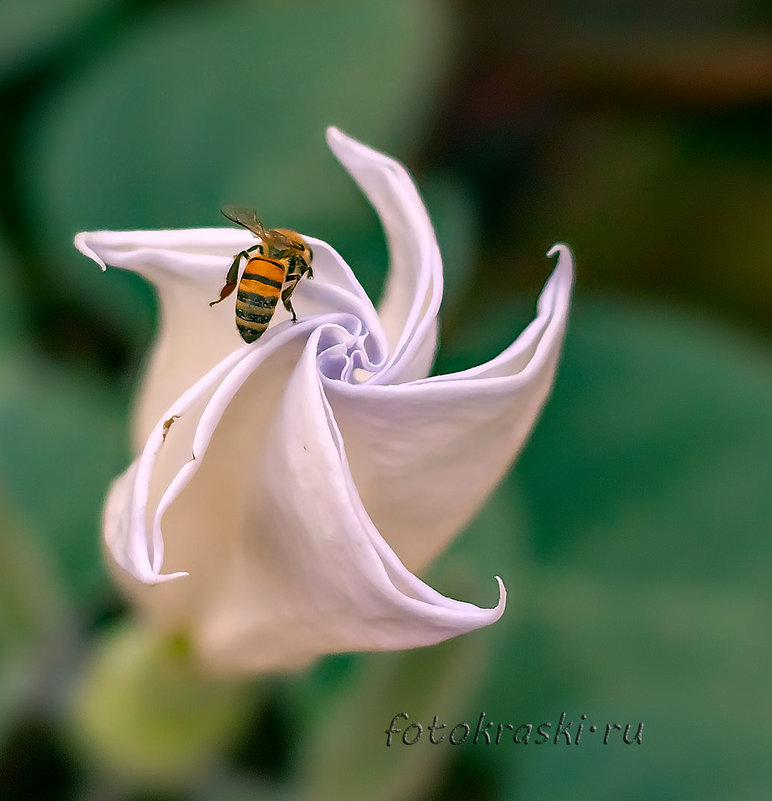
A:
(29, 27)
(345, 705)
(244, 788)
(644, 588)
(453, 214)
(62, 441)
(661, 422)
(12, 310)
(147, 712)
(345, 755)
(34, 617)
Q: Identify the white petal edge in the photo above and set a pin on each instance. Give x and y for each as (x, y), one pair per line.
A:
(136, 549)
(399, 435)
(342, 587)
(413, 289)
(188, 269)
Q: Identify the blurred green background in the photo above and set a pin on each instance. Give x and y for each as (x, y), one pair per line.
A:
(633, 533)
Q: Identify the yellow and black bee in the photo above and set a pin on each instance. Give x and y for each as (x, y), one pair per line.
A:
(283, 258)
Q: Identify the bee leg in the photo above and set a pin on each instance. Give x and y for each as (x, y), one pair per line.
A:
(230, 278)
(233, 273)
(290, 282)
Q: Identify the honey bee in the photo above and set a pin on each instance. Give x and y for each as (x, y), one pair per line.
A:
(281, 259)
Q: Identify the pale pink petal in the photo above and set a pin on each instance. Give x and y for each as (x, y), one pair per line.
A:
(188, 269)
(310, 573)
(426, 454)
(413, 290)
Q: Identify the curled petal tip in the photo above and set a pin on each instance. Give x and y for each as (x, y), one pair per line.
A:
(163, 578)
(81, 244)
(501, 605)
(560, 249)
(564, 269)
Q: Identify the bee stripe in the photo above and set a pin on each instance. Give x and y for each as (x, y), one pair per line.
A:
(258, 288)
(254, 317)
(252, 324)
(250, 331)
(248, 300)
(262, 279)
(257, 296)
(265, 268)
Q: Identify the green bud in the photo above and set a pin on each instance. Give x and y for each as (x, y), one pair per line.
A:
(148, 713)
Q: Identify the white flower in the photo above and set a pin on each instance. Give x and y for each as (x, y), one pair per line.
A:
(288, 491)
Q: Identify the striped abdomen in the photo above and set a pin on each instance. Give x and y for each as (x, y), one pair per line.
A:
(257, 296)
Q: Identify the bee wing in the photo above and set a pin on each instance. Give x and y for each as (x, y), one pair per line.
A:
(247, 218)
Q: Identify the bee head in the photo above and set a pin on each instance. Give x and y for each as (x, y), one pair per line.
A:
(284, 243)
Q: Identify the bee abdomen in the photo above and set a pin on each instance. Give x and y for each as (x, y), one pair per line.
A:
(257, 296)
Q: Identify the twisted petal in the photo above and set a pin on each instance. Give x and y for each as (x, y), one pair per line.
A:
(285, 491)
(408, 311)
(444, 442)
(327, 579)
(284, 562)
(188, 269)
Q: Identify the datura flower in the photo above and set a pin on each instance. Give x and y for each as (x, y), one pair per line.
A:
(288, 492)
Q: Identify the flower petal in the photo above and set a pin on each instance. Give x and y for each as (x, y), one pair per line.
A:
(188, 269)
(268, 469)
(311, 574)
(172, 456)
(284, 562)
(413, 290)
(425, 455)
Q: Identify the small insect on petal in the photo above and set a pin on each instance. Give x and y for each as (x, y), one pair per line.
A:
(168, 425)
